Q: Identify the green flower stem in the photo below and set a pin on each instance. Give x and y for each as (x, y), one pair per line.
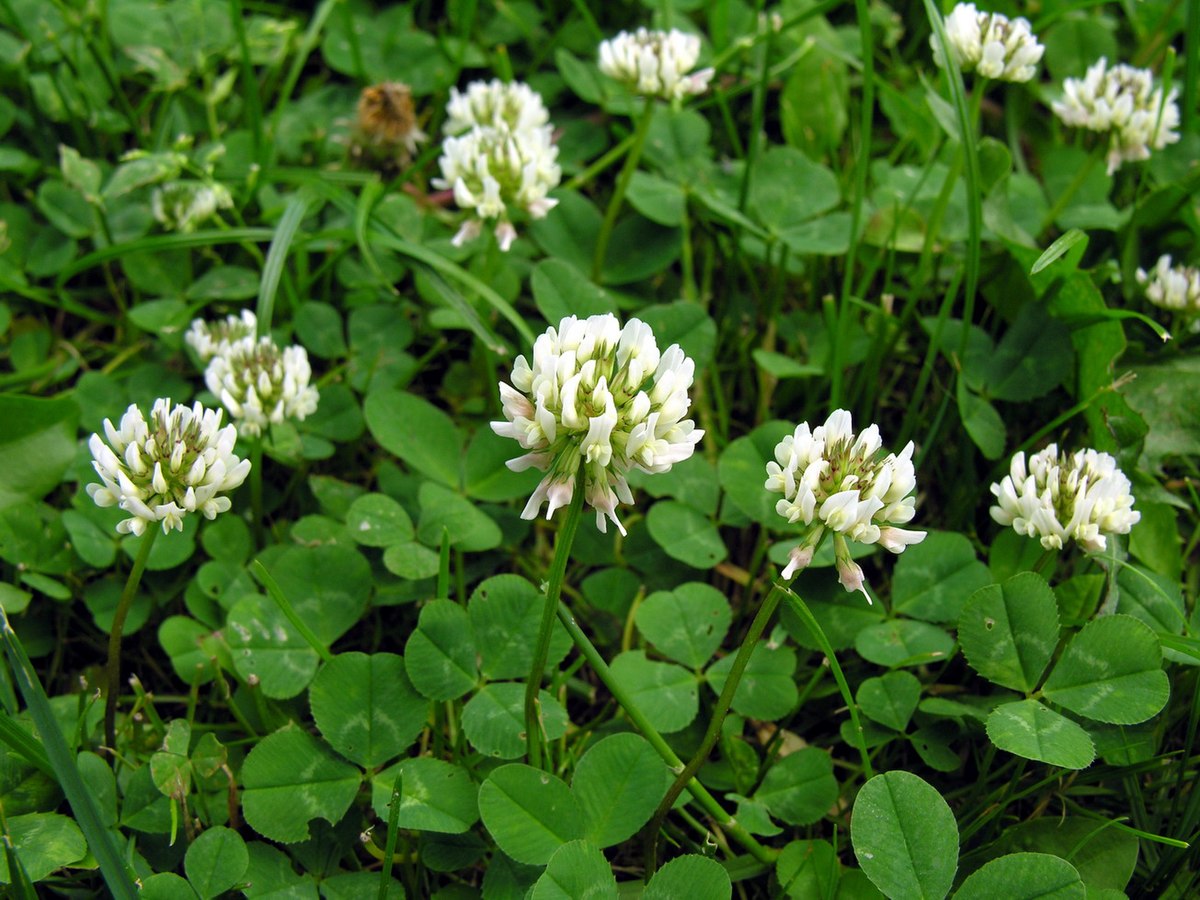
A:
(1069, 193)
(285, 606)
(711, 735)
(706, 800)
(800, 608)
(256, 490)
(113, 669)
(618, 197)
(541, 651)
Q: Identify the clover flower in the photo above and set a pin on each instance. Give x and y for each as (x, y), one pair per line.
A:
(990, 44)
(179, 462)
(182, 205)
(495, 104)
(260, 384)
(832, 480)
(1124, 102)
(655, 63)
(494, 171)
(602, 396)
(209, 339)
(1172, 287)
(1058, 497)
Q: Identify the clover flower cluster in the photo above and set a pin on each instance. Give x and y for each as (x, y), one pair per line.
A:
(261, 384)
(832, 479)
(602, 397)
(183, 205)
(181, 461)
(1057, 498)
(990, 44)
(498, 157)
(1123, 101)
(655, 63)
(211, 338)
(1172, 287)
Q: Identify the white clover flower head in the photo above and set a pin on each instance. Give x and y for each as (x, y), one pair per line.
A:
(1057, 498)
(261, 384)
(990, 44)
(834, 480)
(182, 205)
(655, 63)
(600, 396)
(496, 171)
(180, 462)
(1124, 102)
(514, 106)
(1172, 287)
(210, 338)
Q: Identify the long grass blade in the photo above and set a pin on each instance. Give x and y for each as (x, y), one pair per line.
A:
(285, 232)
(83, 804)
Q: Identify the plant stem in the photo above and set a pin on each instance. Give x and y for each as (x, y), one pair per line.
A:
(800, 608)
(757, 626)
(256, 490)
(558, 568)
(706, 800)
(623, 179)
(113, 669)
(1069, 193)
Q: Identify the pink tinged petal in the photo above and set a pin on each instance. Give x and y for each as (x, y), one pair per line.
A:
(798, 559)
(896, 539)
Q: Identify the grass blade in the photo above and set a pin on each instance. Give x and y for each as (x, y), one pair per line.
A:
(83, 804)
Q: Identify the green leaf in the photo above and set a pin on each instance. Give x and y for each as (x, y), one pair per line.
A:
(576, 871)
(366, 708)
(418, 432)
(43, 842)
(1024, 876)
(266, 646)
(94, 546)
(903, 642)
(1111, 672)
(686, 534)
(504, 611)
(685, 324)
(170, 767)
(618, 784)
(658, 199)
(1027, 728)
(435, 795)
(640, 249)
(982, 422)
(439, 654)
(376, 520)
(319, 327)
(1163, 393)
(1104, 856)
(1032, 358)
(494, 719)
(905, 836)
(441, 508)
(800, 788)
(36, 446)
(890, 699)
(165, 886)
(485, 474)
(216, 861)
(226, 283)
(807, 869)
(665, 692)
(691, 876)
(934, 578)
(529, 813)
(329, 586)
(742, 469)
(290, 778)
(1009, 631)
(411, 561)
(193, 648)
(561, 290)
(788, 188)
(687, 624)
(768, 686)
(356, 885)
